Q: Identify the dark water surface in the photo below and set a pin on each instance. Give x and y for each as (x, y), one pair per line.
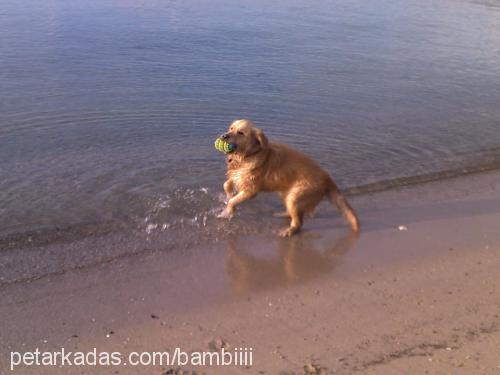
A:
(109, 109)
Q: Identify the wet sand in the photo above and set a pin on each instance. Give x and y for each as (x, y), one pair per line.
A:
(417, 292)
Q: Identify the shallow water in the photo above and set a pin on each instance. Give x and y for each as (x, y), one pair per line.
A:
(110, 108)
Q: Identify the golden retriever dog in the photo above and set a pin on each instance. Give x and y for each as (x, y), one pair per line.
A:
(257, 165)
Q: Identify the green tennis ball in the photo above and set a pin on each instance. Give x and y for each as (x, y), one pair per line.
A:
(223, 146)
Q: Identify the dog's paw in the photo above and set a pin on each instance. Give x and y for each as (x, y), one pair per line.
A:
(226, 214)
(287, 232)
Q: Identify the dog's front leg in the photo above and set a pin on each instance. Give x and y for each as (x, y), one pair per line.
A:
(229, 189)
(239, 198)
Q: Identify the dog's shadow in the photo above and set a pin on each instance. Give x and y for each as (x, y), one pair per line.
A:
(296, 260)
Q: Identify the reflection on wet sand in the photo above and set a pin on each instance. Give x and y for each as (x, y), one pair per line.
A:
(297, 259)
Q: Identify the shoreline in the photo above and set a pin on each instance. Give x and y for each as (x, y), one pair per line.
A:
(387, 301)
(88, 245)
(44, 236)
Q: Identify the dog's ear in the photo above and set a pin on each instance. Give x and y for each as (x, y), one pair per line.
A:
(261, 138)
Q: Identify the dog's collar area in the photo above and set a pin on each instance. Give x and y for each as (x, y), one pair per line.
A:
(254, 152)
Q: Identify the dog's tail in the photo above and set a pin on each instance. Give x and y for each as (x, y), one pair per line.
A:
(336, 198)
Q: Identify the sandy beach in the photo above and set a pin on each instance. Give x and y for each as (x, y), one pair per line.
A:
(417, 292)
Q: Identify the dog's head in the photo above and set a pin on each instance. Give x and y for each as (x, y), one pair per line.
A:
(248, 139)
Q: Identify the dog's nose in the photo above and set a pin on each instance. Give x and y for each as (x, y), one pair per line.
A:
(225, 136)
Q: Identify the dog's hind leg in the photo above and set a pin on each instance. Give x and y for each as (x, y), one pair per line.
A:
(299, 202)
(294, 210)
(296, 217)
(285, 213)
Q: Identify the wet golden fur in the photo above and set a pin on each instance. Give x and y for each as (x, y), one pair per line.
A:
(258, 165)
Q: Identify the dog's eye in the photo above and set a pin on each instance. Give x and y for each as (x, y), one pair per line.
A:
(240, 133)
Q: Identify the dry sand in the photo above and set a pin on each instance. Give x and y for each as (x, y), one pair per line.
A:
(421, 300)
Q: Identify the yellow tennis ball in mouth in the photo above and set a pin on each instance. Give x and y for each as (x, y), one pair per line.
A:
(223, 146)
